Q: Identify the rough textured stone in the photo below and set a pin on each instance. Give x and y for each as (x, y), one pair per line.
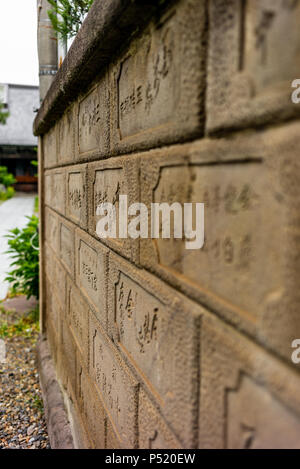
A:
(157, 333)
(66, 360)
(55, 190)
(66, 136)
(153, 432)
(78, 320)
(51, 222)
(117, 388)
(76, 194)
(93, 135)
(247, 398)
(50, 148)
(91, 273)
(252, 60)
(158, 84)
(112, 441)
(67, 246)
(248, 213)
(107, 181)
(91, 409)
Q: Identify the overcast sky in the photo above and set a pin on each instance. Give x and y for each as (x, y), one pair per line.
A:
(18, 42)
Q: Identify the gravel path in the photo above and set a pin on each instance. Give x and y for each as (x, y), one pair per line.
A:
(13, 214)
(22, 424)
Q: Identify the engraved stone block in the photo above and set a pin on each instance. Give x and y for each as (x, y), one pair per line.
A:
(50, 148)
(91, 271)
(247, 212)
(52, 336)
(117, 389)
(66, 136)
(58, 191)
(159, 82)
(250, 66)
(76, 208)
(66, 364)
(93, 122)
(52, 309)
(108, 180)
(52, 229)
(60, 284)
(91, 409)
(49, 263)
(67, 247)
(247, 398)
(157, 331)
(78, 317)
(48, 188)
(153, 431)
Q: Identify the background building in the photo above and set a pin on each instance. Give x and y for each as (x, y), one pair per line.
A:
(17, 142)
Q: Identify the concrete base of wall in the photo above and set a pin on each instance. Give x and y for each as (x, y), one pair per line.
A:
(58, 425)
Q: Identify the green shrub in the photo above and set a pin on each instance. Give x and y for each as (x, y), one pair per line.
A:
(10, 192)
(6, 178)
(24, 277)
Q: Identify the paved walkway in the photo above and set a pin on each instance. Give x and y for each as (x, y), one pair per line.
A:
(13, 214)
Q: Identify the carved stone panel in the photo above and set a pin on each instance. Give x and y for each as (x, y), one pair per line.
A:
(157, 333)
(254, 51)
(91, 271)
(117, 389)
(156, 98)
(76, 208)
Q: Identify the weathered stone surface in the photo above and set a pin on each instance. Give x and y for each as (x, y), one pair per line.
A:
(158, 84)
(49, 263)
(76, 204)
(91, 409)
(67, 246)
(91, 273)
(117, 389)
(247, 213)
(250, 66)
(47, 188)
(52, 309)
(66, 136)
(60, 284)
(55, 285)
(59, 191)
(112, 441)
(157, 332)
(107, 181)
(153, 431)
(247, 398)
(50, 148)
(93, 123)
(52, 229)
(78, 320)
(54, 189)
(66, 360)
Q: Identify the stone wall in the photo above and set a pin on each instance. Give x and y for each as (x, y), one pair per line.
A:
(156, 346)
